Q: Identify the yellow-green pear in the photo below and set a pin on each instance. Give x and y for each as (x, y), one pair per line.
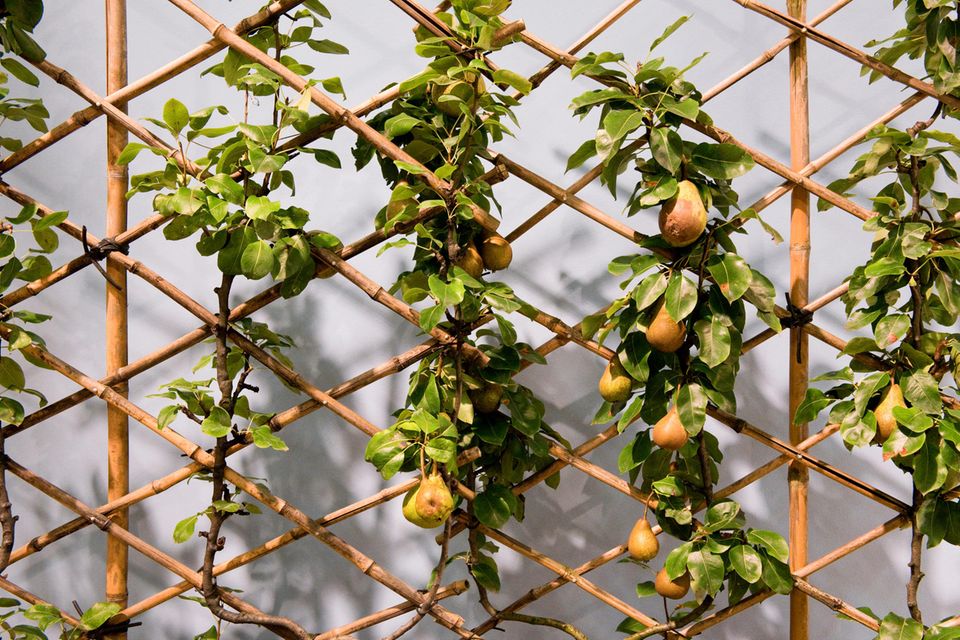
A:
(468, 90)
(487, 398)
(615, 384)
(396, 207)
(496, 252)
(642, 544)
(673, 589)
(886, 423)
(669, 433)
(470, 260)
(683, 217)
(664, 333)
(429, 504)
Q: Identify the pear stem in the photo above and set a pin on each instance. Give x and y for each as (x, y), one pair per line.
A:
(432, 594)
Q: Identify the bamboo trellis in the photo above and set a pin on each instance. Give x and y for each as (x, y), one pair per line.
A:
(794, 451)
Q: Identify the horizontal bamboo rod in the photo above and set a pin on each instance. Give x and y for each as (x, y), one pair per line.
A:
(30, 598)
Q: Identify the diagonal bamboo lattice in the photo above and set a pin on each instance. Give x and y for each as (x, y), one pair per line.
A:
(111, 516)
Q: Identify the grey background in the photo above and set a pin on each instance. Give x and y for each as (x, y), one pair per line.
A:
(561, 268)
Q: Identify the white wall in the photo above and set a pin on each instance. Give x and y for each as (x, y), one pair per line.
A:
(560, 267)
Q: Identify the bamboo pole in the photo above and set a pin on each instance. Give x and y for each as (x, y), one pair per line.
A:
(139, 87)
(118, 436)
(798, 476)
(799, 25)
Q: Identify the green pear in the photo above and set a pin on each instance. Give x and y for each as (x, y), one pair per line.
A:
(487, 398)
(683, 217)
(615, 384)
(429, 504)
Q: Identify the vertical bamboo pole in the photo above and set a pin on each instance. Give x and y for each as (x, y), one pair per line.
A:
(118, 481)
(799, 294)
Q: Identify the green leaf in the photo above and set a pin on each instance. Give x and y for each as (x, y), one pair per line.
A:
(681, 296)
(167, 415)
(217, 424)
(676, 562)
(691, 407)
(669, 31)
(98, 614)
(725, 514)
(399, 124)
(646, 589)
(11, 375)
(583, 153)
(922, 391)
(327, 46)
(746, 562)
(814, 401)
(257, 259)
(20, 72)
(706, 572)
(732, 274)
(513, 79)
(43, 614)
(721, 161)
(184, 529)
(260, 207)
(893, 627)
(175, 115)
(912, 418)
(265, 438)
(494, 506)
(773, 542)
(667, 148)
(929, 472)
(51, 220)
(386, 451)
(715, 343)
(776, 575)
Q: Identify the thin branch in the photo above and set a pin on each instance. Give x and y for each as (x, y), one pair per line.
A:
(424, 608)
(693, 614)
(7, 519)
(542, 621)
(916, 551)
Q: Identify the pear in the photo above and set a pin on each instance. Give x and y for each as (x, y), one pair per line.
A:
(664, 333)
(683, 217)
(496, 252)
(615, 383)
(396, 207)
(669, 433)
(486, 399)
(886, 423)
(470, 260)
(642, 544)
(429, 504)
(673, 589)
(468, 90)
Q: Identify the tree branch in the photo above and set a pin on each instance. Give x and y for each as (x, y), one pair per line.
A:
(694, 613)
(916, 550)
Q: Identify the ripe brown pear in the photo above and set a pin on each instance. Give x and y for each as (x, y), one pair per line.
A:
(470, 260)
(428, 504)
(886, 423)
(487, 398)
(642, 544)
(496, 252)
(664, 333)
(615, 384)
(673, 589)
(669, 433)
(683, 217)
